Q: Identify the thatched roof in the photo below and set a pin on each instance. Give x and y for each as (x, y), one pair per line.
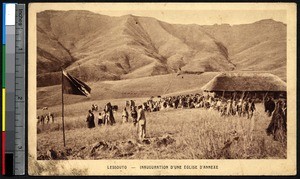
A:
(245, 81)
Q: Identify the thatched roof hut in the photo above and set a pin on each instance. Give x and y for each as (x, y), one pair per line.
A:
(245, 81)
(251, 82)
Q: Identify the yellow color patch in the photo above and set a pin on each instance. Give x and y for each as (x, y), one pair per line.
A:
(3, 109)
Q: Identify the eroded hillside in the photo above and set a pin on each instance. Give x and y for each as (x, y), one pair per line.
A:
(95, 47)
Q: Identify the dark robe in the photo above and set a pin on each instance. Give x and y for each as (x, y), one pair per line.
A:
(134, 116)
(277, 126)
(269, 106)
(109, 112)
(90, 119)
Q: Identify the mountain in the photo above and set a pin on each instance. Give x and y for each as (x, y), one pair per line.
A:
(260, 46)
(96, 47)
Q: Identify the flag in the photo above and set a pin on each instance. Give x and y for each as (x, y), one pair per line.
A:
(72, 85)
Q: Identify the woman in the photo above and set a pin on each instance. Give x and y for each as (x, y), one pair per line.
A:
(277, 126)
(134, 115)
(125, 115)
(90, 119)
(109, 113)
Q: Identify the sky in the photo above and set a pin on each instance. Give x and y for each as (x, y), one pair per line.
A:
(205, 17)
(182, 13)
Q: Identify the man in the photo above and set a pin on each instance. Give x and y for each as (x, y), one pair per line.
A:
(245, 107)
(90, 119)
(142, 123)
(213, 104)
(125, 115)
(234, 107)
(223, 108)
(176, 102)
(134, 115)
(239, 107)
(229, 108)
(284, 107)
(105, 118)
(51, 117)
(219, 103)
(47, 118)
(38, 120)
(42, 119)
(251, 108)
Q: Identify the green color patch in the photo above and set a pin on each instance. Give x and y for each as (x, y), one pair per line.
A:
(3, 65)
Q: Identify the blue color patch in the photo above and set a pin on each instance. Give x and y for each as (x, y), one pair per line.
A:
(3, 24)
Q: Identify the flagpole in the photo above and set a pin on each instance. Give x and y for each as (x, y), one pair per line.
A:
(62, 106)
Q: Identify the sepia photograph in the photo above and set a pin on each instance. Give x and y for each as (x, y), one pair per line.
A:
(161, 88)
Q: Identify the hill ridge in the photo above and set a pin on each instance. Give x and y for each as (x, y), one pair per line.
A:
(97, 47)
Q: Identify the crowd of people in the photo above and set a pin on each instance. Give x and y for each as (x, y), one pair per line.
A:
(226, 107)
(137, 115)
(243, 107)
(45, 119)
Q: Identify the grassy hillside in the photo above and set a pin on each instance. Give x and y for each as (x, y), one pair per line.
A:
(127, 88)
(95, 47)
(258, 46)
(172, 134)
(98, 48)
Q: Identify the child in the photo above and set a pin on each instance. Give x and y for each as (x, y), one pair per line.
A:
(100, 119)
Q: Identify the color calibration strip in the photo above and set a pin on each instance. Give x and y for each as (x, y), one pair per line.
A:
(8, 88)
(3, 135)
(13, 90)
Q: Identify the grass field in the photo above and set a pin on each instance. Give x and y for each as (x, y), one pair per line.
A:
(171, 134)
(128, 88)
